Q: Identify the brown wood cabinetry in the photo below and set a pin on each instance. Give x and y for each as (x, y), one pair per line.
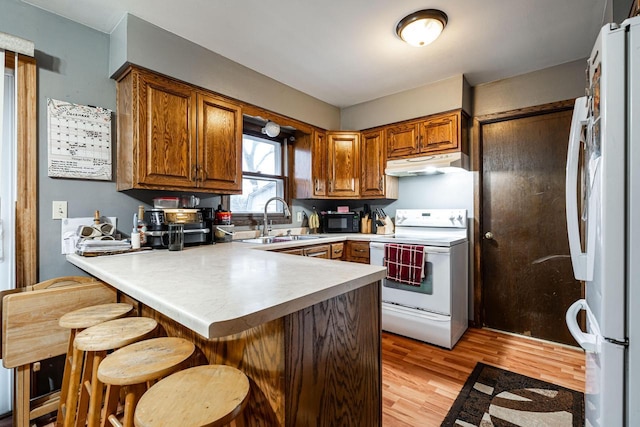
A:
(357, 251)
(319, 163)
(373, 159)
(343, 164)
(172, 136)
(337, 250)
(316, 251)
(440, 133)
(403, 140)
(219, 144)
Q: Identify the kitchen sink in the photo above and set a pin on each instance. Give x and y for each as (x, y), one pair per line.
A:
(277, 239)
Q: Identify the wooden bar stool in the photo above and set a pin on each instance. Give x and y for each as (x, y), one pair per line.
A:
(208, 395)
(77, 321)
(133, 366)
(94, 342)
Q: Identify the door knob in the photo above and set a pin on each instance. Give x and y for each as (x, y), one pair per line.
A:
(488, 235)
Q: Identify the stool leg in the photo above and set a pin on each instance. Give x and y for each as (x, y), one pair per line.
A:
(111, 398)
(134, 392)
(74, 388)
(95, 401)
(82, 406)
(64, 388)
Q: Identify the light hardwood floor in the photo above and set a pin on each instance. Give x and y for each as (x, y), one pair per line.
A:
(420, 382)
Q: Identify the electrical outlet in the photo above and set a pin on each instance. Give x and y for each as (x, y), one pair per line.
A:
(299, 216)
(59, 209)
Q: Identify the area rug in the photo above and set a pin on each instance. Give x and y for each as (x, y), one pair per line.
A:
(495, 397)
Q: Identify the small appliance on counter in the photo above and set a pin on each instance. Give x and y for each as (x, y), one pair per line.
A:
(340, 222)
(197, 226)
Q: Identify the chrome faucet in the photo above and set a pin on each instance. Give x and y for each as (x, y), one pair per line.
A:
(287, 213)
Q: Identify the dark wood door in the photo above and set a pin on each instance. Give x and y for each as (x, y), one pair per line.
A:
(343, 163)
(527, 278)
(372, 163)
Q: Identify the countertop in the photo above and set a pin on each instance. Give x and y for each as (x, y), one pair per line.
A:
(226, 288)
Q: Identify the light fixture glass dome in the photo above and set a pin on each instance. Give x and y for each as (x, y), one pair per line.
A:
(272, 129)
(422, 27)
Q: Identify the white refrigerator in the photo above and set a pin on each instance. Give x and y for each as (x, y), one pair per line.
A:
(603, 193)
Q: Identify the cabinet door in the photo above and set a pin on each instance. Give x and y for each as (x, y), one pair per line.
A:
(319, 163)
(439, 134)
(219, 145)
(357, 251)
(337, 250)
(344, 170)
(166, 133)
(402, 140)
(372, 164)
(319, 251)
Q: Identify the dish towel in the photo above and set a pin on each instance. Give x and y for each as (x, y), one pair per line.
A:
(405, 263)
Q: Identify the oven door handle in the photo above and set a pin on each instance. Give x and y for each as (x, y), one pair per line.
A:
(427, 249)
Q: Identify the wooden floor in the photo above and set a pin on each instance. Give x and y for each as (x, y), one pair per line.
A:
(420, 382)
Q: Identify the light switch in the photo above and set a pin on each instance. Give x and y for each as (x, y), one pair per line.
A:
(59, 209)
(299, 216)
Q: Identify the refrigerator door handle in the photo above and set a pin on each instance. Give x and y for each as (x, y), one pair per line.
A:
(582, 261)
(588, 342)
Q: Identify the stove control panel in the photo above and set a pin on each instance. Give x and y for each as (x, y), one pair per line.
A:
(446, 218)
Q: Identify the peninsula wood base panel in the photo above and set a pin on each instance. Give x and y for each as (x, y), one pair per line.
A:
(320, 366)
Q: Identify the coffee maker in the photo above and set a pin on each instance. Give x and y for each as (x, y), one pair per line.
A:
(197, 226)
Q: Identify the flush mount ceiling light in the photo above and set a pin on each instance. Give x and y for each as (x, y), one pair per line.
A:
(271, 129)
(422, 27)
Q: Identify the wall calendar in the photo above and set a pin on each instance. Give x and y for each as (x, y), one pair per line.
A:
(79, 138)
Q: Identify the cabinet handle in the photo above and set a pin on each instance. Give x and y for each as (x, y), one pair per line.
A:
(380, 186)
(195, 172)
(317, 182)
(331, 185)
(202, 174)
(316, 253)
(360, 250)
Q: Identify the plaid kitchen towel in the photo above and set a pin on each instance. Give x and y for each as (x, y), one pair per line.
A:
(404, 263)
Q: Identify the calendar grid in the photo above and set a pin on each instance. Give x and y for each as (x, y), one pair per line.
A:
(79, 141)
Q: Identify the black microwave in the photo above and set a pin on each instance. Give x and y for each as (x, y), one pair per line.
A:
(340, 222)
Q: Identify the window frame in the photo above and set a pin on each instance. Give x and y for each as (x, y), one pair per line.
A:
(250, 219)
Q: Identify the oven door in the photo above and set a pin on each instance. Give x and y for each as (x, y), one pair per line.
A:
(434, 293)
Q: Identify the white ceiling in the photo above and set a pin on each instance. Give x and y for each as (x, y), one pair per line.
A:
(345, 51)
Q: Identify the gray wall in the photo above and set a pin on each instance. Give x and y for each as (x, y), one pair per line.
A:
(139, 42)
(444, 95)
(72, 66)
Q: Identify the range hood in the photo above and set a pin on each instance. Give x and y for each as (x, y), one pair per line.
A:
(428, 165)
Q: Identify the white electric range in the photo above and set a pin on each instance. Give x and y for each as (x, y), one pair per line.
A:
(436, 311)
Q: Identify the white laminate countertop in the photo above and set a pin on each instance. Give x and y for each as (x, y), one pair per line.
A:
(218, 290)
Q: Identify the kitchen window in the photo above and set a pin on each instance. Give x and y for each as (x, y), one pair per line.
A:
(264, 162)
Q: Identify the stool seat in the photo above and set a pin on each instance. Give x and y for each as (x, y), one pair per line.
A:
(144, 361)
(90, 316)
(76, 321)
(209, 395)
(114, 333)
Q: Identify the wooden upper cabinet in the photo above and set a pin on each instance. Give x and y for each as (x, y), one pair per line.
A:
(344, 164)
(372, 164)
(439, 134)
(403, 140)
(219, 145)
(319, 163)
(166, 146)
(171, 136)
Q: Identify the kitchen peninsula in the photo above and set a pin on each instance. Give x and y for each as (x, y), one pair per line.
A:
(306, 331)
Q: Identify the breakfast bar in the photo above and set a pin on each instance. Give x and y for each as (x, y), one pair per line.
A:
(305, 331)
